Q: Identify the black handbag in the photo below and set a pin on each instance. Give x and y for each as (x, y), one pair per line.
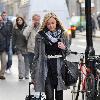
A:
(33, 97)
(69, 72)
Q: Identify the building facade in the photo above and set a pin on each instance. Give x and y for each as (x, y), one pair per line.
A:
(75, 6)
(15, 7)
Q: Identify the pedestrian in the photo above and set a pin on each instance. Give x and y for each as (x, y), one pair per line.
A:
(8, 27)
(50, 48)
(93, 26)
(98, 19)
(19, 43)
(2, 49)
(30, 33)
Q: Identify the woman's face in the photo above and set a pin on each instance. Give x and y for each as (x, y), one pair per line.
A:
(19, 21)
(51, 24)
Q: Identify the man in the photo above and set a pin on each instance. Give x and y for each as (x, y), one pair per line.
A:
(2, 49)
(8, 29)
(30, 33)
(93, 26)
(98, 19)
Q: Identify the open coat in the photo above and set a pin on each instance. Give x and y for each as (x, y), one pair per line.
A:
(40, 70)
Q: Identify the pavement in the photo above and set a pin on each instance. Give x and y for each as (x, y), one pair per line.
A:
(97, 34)
(14, 89)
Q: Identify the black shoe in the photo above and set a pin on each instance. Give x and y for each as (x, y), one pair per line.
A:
(20, 77)
(2, 78)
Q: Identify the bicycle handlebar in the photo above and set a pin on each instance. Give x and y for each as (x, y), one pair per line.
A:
(90, 58)
(95, 58)
(81, 55)
(74, 52)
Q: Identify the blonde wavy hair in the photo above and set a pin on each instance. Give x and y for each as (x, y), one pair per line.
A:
(47, 17)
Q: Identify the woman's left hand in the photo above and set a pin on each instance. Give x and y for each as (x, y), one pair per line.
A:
(61, 45)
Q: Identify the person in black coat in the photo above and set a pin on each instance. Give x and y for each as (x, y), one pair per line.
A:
(8, 26)
(2, 49)
(20, 43)
(93, 26)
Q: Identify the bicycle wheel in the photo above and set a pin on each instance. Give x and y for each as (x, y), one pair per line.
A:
(90, 87)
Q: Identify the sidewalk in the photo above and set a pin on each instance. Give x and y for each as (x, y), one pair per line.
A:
(97, 35)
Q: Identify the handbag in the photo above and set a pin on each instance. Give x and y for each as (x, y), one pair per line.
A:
(69, 72)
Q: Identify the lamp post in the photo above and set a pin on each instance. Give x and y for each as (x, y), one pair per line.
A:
(89, 47)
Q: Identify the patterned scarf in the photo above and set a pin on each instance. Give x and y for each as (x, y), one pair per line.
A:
(51, 37)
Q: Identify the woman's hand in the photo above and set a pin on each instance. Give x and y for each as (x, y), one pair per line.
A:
(61, 45)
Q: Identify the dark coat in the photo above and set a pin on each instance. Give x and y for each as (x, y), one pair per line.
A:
(39, 69)
(8, 26)
(5, 35)
(2, 38)
(19, 40)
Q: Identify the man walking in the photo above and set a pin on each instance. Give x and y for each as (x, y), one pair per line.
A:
(30, 33)
(5, 46)
(2, 49)
(8, 29)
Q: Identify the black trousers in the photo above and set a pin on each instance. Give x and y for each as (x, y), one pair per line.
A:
(49, 91)
(52, 81)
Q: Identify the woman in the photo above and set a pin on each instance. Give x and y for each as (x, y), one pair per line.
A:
(50, 48)
(20, 44)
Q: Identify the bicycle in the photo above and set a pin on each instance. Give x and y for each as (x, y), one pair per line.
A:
(86, 81)
(76, 87)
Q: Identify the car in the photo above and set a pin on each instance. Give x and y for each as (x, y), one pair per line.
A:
(78, 22)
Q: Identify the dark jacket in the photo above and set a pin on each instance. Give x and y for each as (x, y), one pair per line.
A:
(19, 40)
(93, 23)
(39, 69)
(2, 38)
(6, 33)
